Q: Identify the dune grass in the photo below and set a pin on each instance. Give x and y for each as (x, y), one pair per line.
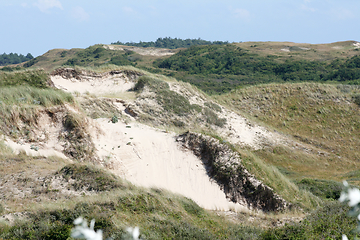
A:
(31, 96)
(329, 222)
(159, 213)
(282, 185)
(35, 78)
(22, 105)
(323, 117)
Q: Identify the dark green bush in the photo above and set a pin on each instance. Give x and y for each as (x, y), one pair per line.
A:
(121, 60)
(90, 178)
(218, 69)
(212, 118)
(114, 119)
(154, 84)
(2, 209)
(324, 189)
(357, 99)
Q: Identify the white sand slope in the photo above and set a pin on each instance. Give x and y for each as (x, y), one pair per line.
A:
(34, 149)
(151, 158)
(97, 86)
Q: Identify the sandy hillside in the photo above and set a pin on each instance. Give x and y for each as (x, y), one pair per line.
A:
(150, 157)
(146, 156)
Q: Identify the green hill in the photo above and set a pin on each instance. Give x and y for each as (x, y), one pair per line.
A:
(305, 95)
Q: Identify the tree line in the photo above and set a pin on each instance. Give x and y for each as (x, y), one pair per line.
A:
(172, 43)
(14, 58)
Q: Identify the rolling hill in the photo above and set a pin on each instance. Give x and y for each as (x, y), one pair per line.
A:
(109, 132)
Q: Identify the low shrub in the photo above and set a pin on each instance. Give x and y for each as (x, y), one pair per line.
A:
(212, 118)
(2, 209)
(155, 85)
(90, 178)
(329, 222)
(324, 189)
(357, 99)
(174, 102)
(213, 106)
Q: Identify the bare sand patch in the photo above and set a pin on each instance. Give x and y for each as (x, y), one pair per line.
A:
(152, 158)
(32, 149)
(96, 86)
(149, 51)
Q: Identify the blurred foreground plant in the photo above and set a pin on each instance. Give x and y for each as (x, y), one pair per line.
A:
(82, 231)
(352, 197)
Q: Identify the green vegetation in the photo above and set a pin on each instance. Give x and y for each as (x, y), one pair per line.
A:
(26, 96)
(23, 104)
(213, 118)
(90, 178)
(329, 222)
(97, 55)
(172, 102)
(34, 78)
(100, 108)
(324, 189)
(220, 68)
(116, 205)
(10, 69)
(154, 84)
(322, 119)
(277, 180)
(14, 58)
(323, 116)
(171, 43)
(213, 106)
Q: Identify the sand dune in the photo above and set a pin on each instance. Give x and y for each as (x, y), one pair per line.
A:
(152, 158)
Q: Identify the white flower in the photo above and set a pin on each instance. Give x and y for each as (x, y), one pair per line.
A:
(343, 197)
(78, 221)
(345, 183)
(135, 232)
(83, 232)
(354, 196)
(86, 233)
(344, 237)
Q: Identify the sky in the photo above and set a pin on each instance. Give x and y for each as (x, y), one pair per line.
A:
(36, 26)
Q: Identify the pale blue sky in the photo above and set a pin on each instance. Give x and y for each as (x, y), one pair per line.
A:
(37, 26)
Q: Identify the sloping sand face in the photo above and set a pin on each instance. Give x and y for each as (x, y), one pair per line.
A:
(151, 158)
(110, 83)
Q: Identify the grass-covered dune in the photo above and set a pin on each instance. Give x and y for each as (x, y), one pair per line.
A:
(115, 204)
(48, 212)
(320, 115)
(320, 121)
